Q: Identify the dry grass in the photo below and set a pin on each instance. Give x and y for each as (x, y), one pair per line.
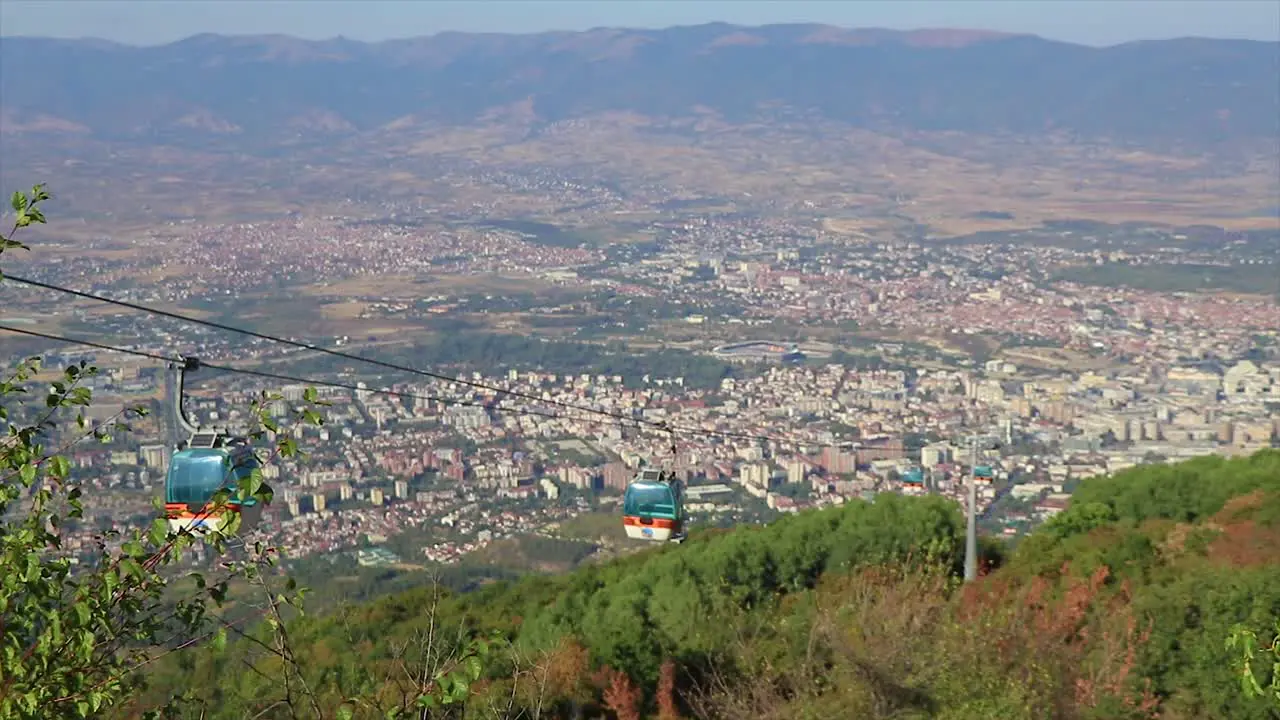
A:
(1054, 358)
(939, 179)
(893, 642)
(1246, 544)
(408, 287)
(343, 310)
(1243, 541)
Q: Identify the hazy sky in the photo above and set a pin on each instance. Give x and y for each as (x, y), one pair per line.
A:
(1095, 22)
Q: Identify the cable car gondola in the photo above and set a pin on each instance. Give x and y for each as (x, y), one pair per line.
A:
(914, 477)
(653, 507)
(983, 474)
(210, 460)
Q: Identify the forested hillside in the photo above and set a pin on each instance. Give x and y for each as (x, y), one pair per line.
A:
(1118, 608)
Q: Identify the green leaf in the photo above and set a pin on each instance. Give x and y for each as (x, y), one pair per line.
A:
(231, 527)
(253, 483)
(159, 531)
(220, 639)
(59, 467)
(82, 613)
(19, 201)
(131, 567)
(344, 713)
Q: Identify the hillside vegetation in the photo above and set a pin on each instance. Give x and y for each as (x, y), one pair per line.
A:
(1116, 608)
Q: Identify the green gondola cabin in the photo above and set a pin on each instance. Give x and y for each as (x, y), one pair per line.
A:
(653, 508)
(196, 474)
(211, 460)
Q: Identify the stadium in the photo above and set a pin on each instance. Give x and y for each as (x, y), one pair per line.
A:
(760, 350)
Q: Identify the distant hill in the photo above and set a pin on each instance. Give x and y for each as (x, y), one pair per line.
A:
(1185, 93)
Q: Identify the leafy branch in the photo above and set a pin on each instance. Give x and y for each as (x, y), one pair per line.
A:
(25, 205)
(75, 636)
(1244, 641)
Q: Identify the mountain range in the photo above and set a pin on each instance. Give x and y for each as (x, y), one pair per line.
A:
(1190, 93)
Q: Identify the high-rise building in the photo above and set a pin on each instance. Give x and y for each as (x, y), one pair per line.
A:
(156, 456)
(796, 471)
(616, 476)
(837, 461)
(549, 487)
(756, 474)
(934, 455)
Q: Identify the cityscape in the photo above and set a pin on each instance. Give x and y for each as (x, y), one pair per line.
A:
(946, 341)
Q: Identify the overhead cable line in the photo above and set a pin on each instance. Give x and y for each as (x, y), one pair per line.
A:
(660, 426)
(639, 422)
(617, 419)
(90, 343)
(279, 376)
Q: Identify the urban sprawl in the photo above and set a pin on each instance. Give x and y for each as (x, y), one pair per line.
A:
(1083, 380)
